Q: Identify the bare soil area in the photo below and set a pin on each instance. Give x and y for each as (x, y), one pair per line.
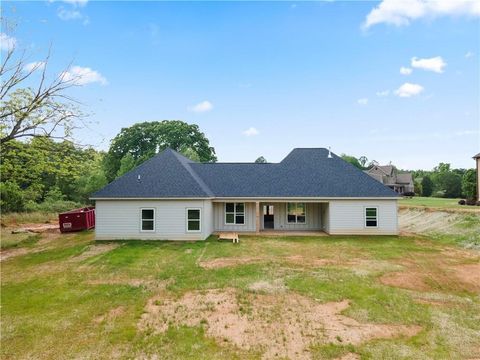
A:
(423, 221)
(227, 262)
(280, 325)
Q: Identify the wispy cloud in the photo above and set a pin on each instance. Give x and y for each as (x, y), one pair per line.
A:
(469, 54)
(36, 65)
(405, 70)
(402, 13)
(362, 101)
(435, 64)
(68, 14)
(409, 90)
(76, 3)
(7, 43)
(83, 76)
(383, 93)
(72, 11)
(251, 131)
(203, 106)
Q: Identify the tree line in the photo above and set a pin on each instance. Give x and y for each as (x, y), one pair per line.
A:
(441, 181)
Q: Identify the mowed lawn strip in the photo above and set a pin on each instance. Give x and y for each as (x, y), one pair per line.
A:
(80, 298)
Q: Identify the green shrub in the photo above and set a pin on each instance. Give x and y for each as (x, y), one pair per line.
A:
(11, 197)
(54, 202)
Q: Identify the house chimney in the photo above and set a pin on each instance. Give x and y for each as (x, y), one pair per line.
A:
(329, 153)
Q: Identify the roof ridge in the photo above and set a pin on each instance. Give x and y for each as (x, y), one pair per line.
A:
(186, 164)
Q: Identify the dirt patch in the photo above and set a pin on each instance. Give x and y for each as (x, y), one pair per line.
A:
(468, 273)
(405, 280)
(35, 228)
(111, 315)
(228, 262)
(280, 325)
(10, 253)
(267, 287)
(147, 283)
(41, 245)
(420, 221)
(349, 356)
(302, 260)
(94, 250)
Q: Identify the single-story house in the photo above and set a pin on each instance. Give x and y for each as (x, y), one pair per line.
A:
(170, 197)
(388, 175)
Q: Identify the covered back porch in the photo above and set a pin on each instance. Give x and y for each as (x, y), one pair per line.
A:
(271, 217)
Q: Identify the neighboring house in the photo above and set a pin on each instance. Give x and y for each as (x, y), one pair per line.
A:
(477, 159)
(170, 197)
(389, 176)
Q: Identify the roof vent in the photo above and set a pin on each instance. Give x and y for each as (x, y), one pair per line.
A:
(138, 177)
(329, 153)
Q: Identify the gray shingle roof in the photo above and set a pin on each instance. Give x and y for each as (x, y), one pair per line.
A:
(305, 172)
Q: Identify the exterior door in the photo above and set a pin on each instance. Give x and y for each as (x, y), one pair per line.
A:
(268, 217)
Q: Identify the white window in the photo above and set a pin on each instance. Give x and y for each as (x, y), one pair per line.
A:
(194, 220)
(235, 213)
(147, 222)
(371, 217)
(296, 213)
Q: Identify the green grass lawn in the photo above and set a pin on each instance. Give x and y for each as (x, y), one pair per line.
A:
(431, 202)
(70, 297)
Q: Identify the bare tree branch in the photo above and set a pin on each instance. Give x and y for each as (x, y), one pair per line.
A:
(45, 109)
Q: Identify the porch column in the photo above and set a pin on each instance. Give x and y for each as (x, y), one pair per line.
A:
(257, 217)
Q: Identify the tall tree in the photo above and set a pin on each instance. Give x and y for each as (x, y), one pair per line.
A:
(142, 141)
(352, 160)
(469, 184)
(427, 186)
(43, 110)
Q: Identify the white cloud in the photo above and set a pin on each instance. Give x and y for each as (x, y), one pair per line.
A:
(80, 3)
(383, 93)
(362, 101)
(401, 13)
(83, 76)
(202, 107)
(251, 131)
(7, 43)
(405, 70)
(74, 3)
(67, 14)
(469, 54)
(409, 89)
(435, 64)
(36, 65)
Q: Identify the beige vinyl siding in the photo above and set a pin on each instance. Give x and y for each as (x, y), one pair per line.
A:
(120, 219)
(313, 217)
(348, 217)
(219, 218)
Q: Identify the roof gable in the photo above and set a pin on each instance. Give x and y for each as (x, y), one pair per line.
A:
(167, 174)
(304, 172)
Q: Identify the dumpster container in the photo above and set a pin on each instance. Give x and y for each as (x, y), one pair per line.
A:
(77, 220)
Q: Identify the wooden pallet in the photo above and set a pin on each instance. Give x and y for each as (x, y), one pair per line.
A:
(229, 236)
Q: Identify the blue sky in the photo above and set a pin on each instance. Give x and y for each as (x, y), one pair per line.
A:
(261, 78)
